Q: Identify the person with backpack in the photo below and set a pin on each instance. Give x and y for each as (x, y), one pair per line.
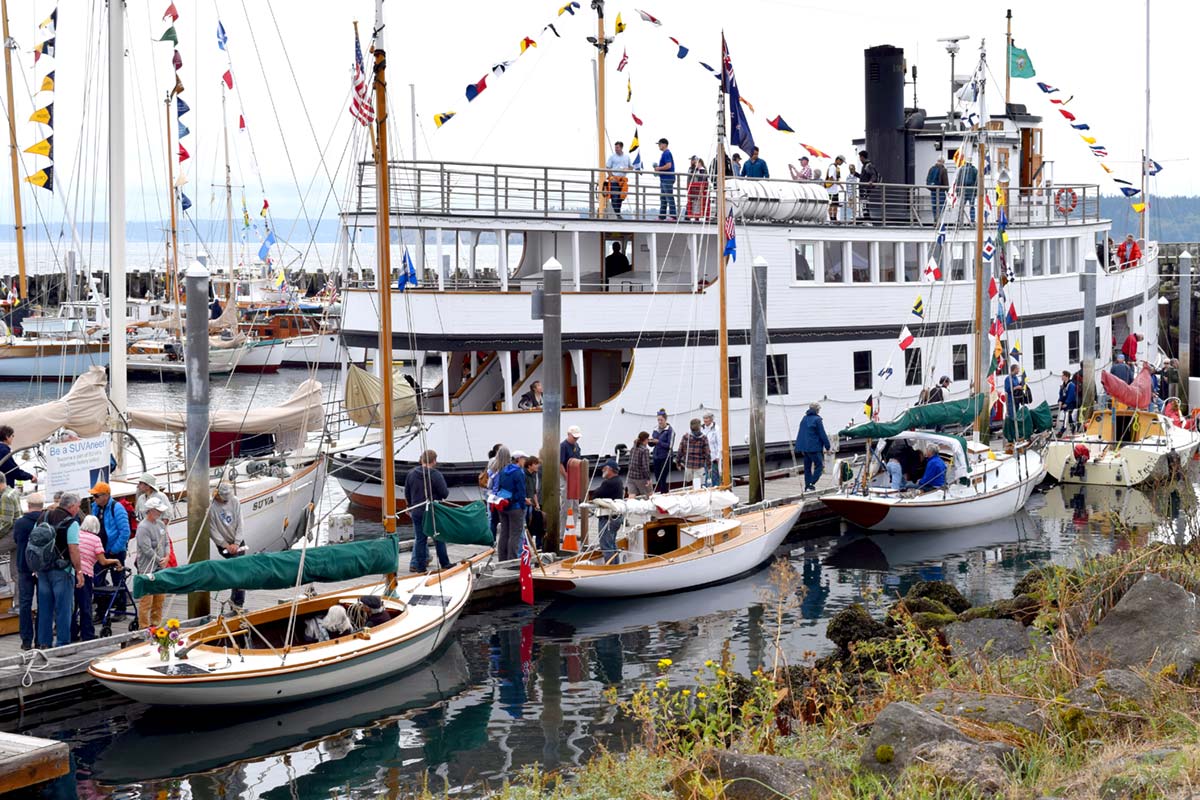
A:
(53, 553)
(153, 554)
(26, 580)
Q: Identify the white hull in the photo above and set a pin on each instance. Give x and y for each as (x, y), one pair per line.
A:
(954, 507)
(274, 511)
(661, 575)
(320, 349)
(261, 676)
(1129, 465)
(49, 361)
(220, 362)
(263, 356)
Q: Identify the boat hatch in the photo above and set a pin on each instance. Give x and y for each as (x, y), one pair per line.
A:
(662, 537)
(715, 530)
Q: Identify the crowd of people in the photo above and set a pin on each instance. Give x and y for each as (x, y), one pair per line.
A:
(853, 191)
(70, 554)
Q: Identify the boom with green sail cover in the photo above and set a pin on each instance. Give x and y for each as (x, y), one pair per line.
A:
(335, 562)
(954, 412)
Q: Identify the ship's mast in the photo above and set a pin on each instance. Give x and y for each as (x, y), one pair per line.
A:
(1144, 223)
(22, 284)
(982, 345)
(722, 327)
(383, 276)
(601, 44)
(117, 385)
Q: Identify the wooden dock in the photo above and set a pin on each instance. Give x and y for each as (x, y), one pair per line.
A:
(27, 761)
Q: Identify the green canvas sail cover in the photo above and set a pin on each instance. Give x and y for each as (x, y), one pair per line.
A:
(955, 412)
(458, 524)
(334, 562)
(1028, 422)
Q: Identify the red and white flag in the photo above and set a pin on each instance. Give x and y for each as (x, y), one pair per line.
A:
(526, 578)
(360, 102)
(624, 61)
(906, 338)
(932, 271)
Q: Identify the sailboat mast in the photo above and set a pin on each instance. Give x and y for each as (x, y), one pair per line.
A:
(383, 276)
(722, 326)
(983, 418)
(22, 284)
(117, 385)
(1144, 223)
(602, 51)
(230, 295)
(173, 255)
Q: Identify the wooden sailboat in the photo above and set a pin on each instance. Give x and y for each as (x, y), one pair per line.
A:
(277, 655)
(981, 484)
(689, 539)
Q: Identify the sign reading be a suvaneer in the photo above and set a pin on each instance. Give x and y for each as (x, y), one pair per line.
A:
(72, 466)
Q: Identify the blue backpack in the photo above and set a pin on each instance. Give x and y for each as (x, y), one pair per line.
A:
(41, 553)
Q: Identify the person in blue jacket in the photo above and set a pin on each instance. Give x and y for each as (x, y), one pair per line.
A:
(8, 464)
(512, 518)
(1068, 404)
(114, 533)
(812, 442)
(934, 476)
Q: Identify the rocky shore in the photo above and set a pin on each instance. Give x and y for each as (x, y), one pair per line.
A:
(1083, 684)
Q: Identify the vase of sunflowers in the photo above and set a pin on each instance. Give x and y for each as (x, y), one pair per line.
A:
(165, 637)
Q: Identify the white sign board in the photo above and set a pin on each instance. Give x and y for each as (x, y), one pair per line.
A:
(72, 466)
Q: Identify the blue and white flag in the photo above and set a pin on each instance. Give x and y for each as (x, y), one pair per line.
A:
(408, 273)
(265, 250)
(221, 37)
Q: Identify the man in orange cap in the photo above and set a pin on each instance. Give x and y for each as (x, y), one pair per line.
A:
(114, 530)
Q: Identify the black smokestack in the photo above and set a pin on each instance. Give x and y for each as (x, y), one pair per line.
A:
(885, 113)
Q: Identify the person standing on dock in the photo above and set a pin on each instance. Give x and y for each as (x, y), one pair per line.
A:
(713, 434)
(225, 530)
(8, 465)
(660, 460)
(153, 552)
(639, 466)
(694, 455)
(422, 486)
(666, 170)
(147, 490)
(26, 581)
(812, 443)
(91, 552)
(59, 571)
(534, 521)
(512, 516)
(1121, 369)
(610, 488)
(10, 512)
(1068, 404)
(114, 532)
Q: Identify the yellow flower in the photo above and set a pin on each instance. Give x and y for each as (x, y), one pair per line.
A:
(701, 694)
(172, 623)
(721, 673)
(661, 685)
(663, 663)
(709, 663)
(687, 692)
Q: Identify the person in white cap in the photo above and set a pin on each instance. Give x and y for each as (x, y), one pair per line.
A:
(147, 488)
(153, 551)
(225, 530)
(568, 449)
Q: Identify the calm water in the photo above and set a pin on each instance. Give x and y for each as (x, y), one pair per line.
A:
(519, 685)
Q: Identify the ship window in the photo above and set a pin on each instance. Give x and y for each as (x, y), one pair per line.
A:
(860, 261)
(1016, 252)
(958, 261)
(806, 259)
(1071, 256)
(958, 357)
(912, 366)
(1037, 258)
(862, 369)
(1055, 247)
(1039, 352)
(1073, 347)
(912, 262)
(887, 262)
(777, 374)
(833, 262)
(1097, 354)
(735, 376)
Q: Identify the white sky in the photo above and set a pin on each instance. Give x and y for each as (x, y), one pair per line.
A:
(799, 59)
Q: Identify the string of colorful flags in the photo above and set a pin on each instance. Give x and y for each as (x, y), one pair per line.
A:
(498, 69)
(181, 107)
(1098, 150)
(44, 177)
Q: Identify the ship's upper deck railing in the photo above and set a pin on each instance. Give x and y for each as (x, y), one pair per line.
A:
(438, 188)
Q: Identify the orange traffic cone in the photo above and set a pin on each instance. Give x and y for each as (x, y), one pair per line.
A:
(570, 542)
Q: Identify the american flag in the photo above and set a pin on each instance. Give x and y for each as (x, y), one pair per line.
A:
(330, 289)
(360, 104)
(730, 238)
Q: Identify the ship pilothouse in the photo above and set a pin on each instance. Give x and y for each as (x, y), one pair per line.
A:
(842, 283)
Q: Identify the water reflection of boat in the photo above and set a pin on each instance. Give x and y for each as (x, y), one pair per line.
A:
(163, 744)
(883, 551)
(1107, 505)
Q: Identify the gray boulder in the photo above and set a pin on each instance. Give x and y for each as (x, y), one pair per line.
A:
(970, 765)
(1156, 624)
(1112, 690)
(986, 708)
(898, 731)
(750, 777)
(988, 639)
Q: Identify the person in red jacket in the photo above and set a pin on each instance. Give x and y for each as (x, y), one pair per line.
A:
(1129, 254)
(1130, 347)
